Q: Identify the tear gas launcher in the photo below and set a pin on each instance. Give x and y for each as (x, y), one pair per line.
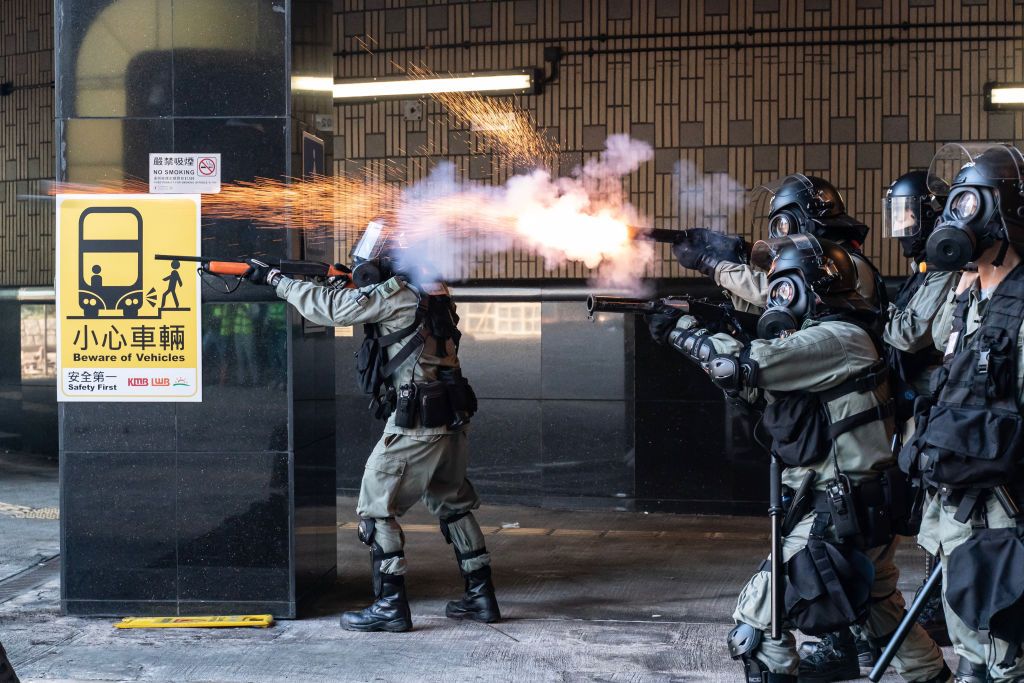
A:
(337, 275)
(717, 317)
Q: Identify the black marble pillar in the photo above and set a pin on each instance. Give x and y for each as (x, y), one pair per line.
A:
(224, 506)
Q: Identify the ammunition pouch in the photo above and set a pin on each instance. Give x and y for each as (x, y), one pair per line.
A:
(966, 447)
(446, 402)
(829, 585)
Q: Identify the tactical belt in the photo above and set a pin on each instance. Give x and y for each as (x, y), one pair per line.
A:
(872, 492)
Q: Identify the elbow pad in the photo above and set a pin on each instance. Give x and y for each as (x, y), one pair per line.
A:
(692, 343)
(732, 373)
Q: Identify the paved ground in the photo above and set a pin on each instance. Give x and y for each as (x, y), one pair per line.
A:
(608, 596)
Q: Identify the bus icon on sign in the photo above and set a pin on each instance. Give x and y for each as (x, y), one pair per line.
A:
(110, 262)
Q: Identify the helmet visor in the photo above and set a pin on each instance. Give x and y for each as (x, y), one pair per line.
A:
(764, 252)
(759, 203)
(372, 242)
(901, 216)
(989, 161)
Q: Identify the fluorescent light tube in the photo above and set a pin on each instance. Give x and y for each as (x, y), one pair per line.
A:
(313, 83)
(506, 83)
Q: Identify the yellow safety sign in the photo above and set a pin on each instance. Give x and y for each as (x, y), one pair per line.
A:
(243, 621)
(128, 325)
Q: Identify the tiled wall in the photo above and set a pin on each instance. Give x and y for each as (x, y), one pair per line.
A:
(26, 141)
(838, 88)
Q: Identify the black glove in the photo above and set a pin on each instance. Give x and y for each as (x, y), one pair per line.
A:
(661, 325)
(702, 250)
(261, 273)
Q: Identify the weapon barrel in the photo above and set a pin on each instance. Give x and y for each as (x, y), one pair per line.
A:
(173, 257)
(616, 304)
(909, 619)
(658, 235)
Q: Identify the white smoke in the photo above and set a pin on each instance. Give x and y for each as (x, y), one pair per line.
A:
(451, 223)
(713, 200)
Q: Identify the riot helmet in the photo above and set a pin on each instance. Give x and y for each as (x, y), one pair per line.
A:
(800, 203)
(373, 256)
(910, 208)
(807, 278)
(985, 204)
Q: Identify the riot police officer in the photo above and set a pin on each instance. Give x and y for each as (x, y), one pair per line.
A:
(910, 208)
(409, 364)
(796, 204)
(967, 448)
(830, 424)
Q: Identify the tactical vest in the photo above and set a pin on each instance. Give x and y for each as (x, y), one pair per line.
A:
(449, 400)
(798, 422)
(971, 437)
(907, 366)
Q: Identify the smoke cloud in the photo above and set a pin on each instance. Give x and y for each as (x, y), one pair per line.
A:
(713, 200)
(450, 222)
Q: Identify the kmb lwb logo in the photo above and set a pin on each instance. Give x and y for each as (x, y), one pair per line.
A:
(138, 381)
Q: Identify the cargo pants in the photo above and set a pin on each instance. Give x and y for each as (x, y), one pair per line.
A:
(404, 469)
(918, 660)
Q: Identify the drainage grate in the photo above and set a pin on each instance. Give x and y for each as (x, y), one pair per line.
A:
(30, 578)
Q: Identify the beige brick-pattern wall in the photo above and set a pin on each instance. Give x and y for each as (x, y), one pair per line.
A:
(859, 99)
(26, 142)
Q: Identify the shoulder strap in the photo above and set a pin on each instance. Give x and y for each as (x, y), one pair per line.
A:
(412, 345)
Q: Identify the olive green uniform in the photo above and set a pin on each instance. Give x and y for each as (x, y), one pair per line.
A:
(910, 329)
(821, 356)
(941, 533)
(407, 464)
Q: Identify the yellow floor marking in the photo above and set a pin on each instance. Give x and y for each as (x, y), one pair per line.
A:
(235, 621)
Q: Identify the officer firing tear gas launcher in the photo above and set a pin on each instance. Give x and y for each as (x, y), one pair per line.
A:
(830, 423)
(409, 366)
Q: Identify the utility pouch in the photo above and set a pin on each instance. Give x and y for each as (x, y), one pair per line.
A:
(828, 587)
(985, 586)
(904, 501)
(842, 508)
(873, 503)
(460, 395)
(798, 426)
(435, 407)
(972, 447)
(406, 409)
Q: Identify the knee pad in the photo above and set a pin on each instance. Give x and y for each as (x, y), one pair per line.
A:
(743, 640)
(445, 522)
(366, 530)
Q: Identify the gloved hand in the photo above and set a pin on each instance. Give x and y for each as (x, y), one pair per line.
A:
(702, 250)
(261, 273)
(661, 325)
(340, 280)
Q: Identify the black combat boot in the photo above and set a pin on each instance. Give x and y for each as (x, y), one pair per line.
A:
(834, 659)
(867, 654)
(390, 610)
(479, 602)
(7, 674)
(969, 672)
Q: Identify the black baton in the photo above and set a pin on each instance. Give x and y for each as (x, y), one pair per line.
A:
(909, 619)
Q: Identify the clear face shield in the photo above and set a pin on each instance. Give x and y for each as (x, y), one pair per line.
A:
(372, 242)
(762, 198)
(901, 216)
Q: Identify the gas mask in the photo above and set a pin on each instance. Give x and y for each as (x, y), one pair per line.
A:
(985, 205)
(971, 223)
(790, 301)
(798, 266)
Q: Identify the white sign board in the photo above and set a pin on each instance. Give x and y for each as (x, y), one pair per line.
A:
(178, 173)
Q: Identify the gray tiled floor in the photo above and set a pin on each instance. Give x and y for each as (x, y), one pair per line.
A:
(610, 596)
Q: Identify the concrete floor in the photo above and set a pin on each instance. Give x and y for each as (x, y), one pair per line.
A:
(608, 596)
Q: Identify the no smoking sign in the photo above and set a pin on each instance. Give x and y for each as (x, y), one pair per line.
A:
(207, 166)
(177, 173)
